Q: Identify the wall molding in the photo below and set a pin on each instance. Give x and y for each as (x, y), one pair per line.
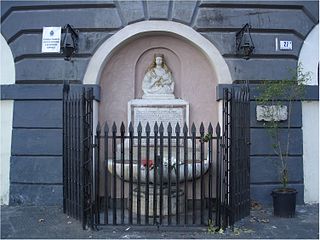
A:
(42, 91)
(311, 91)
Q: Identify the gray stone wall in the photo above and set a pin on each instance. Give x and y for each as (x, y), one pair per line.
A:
(265, 165)
(36, 175)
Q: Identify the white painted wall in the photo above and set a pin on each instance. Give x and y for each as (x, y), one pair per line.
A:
(6, 114)
(310, 123)
(7, 76)
(309, 57)
(309, 54)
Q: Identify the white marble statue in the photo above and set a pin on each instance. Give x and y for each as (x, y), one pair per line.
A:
(158, 81)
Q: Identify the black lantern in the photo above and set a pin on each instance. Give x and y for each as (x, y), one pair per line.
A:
(70, 42)
(244, 42)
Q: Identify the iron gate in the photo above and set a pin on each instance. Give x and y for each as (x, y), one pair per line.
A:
(156, 175)
(78, 155)
(235, 162)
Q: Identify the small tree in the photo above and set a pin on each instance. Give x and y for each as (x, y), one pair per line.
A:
(272, 96)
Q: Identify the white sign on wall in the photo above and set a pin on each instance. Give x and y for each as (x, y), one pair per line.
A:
(285, 45)
(51, 37)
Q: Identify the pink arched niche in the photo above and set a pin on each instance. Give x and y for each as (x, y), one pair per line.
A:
(121, 78)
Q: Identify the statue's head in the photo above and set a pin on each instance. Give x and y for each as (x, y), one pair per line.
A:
(158, 59)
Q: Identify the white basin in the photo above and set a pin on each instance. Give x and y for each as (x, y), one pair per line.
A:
(165, 178)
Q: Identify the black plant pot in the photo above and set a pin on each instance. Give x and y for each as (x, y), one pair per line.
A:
(284, 202)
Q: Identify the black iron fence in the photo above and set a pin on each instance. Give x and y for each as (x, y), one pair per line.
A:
(165, 176)
(156, 175)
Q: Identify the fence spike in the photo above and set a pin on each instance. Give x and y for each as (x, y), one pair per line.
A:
(169, 128)
(238, 95)
(155, 128)
(185, 128)
(83, 93)
(139, 128)
(177, 128)
(193, 128)
(161, 128)
(106, 127)
(131, 127)
(122, 128)
(201, 128)
(241, 95)
(210, 129)
(246, 95)
(98, 130)
(232, 96)
(218, 130)
(114, 127)
(148, 130)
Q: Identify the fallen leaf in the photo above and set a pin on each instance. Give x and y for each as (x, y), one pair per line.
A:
(255, 205)
(254, 219)
(265, 220)
(236, 231)
(245, 230)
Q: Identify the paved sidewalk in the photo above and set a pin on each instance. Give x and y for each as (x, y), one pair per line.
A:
(50, 222)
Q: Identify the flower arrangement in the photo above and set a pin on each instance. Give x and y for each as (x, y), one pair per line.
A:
(145, 163)
(150, 163)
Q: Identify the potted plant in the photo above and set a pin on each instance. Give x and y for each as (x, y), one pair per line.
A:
(274, 108)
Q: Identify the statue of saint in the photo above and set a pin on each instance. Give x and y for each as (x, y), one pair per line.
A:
(158, 81)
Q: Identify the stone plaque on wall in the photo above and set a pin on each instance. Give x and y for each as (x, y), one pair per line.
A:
(271, 113)
(165, 111)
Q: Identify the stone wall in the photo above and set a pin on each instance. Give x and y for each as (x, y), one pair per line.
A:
(36, 176)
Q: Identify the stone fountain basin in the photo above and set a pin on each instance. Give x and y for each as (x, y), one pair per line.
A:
(165, 179)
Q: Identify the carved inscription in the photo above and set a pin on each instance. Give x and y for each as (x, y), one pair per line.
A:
(158, 114)
(151, 111)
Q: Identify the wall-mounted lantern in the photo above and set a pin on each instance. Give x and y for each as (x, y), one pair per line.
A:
(244, 42)
(69, 44)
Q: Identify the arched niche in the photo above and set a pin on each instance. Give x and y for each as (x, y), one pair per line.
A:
(195, 79)
(136, 30)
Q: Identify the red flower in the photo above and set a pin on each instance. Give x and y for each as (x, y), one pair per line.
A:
(146, 162)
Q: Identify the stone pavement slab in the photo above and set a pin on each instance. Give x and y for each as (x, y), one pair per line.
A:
(49, 222)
